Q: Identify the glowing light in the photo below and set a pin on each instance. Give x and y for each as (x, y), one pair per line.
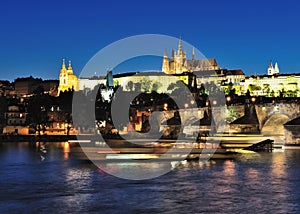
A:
(66, 148)
(166, 106)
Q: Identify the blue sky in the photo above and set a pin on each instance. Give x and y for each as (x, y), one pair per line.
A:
(36, 35)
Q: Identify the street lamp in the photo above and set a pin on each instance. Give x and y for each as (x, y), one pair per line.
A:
(166, 106)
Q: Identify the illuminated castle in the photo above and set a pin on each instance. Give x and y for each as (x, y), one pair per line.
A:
(67, 80)
(180, 64)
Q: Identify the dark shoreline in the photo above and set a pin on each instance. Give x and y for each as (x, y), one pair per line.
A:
(36, 138)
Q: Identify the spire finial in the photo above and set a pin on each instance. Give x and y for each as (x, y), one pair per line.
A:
(165, 53)
(193, 54)
(63, 64)
(70, 66)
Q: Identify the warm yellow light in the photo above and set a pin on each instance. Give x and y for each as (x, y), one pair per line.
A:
(166, 106)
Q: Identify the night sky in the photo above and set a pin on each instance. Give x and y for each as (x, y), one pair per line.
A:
(36, 35)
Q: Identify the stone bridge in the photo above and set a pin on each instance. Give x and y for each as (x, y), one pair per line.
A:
(271, 116)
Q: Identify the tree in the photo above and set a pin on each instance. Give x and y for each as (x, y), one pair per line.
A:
(266, 89)
(38, 108)
(3, 108)
(146, 84)
(156, 86)
(129, 86)
(202, 90)
(137, 86)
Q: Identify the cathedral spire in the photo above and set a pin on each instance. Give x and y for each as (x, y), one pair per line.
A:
(180, 46)
(173, 54)
(165, 53)
(193, 54)
(165, 64)
(270, 69)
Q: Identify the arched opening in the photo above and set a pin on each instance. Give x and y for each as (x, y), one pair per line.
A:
(274, 125)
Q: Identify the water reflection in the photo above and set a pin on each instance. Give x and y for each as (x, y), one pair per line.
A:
(278, 166)
(66, 149)
(229, 168)
(264, 183)
(252, 173)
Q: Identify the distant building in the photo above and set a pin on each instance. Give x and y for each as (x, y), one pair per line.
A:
(286, 85)
(15, 116)
(26, 86)
(29, 85)
(16, 120)
(5, 87)
(206, 70)
(67, 79)
(273, 70)
(89, 84)
(179, 64)
(50, 86)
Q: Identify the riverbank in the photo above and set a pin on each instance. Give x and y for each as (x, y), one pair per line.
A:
(36, 138)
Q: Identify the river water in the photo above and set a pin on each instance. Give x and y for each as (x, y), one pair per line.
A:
(51, 180)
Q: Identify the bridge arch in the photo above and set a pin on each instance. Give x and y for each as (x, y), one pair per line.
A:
(274, 124)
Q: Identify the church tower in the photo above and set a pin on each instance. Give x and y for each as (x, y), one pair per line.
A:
(165, 64)
(193, 54)
(178, 63)
(273, 70)
(270, 68)
(67, 80)
(276, 69)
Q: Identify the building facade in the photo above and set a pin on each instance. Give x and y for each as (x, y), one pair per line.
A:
(67, 79)
(273, 70)
(286, 85)
(179, 63)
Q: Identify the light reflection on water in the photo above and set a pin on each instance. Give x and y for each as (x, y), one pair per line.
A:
(257, 183)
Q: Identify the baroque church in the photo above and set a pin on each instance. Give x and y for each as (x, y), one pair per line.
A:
(179, 64)
(67, 79)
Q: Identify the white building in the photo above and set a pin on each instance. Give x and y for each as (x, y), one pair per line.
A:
(273, 70)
